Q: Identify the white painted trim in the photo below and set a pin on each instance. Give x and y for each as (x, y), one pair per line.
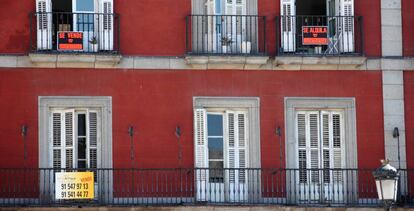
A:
(104, 105)
(252, 105)
(347, 105)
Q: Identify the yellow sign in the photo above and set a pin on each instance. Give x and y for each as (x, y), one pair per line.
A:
(74, 185)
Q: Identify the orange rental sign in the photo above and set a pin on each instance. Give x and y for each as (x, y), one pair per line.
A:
(70, 41)
(315, 35)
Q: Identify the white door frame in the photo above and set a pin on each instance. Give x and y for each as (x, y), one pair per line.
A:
(87, 35)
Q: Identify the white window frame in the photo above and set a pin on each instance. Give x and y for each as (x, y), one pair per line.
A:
(249, 105)
(76, 112)
(46, 105)
(345, 105)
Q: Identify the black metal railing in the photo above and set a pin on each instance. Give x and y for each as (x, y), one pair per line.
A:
(249, 186)
(99, 32)
(319, 35)
(226, 34)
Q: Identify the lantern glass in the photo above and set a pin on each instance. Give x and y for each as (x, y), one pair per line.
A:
(387, 189)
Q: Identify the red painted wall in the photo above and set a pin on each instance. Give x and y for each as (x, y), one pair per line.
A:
(409, 116)
(14, 26)
(156, 101)
(153, 27)
(408, 27)
(157, 27)
(371, 12)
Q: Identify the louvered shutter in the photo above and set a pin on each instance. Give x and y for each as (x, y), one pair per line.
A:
(235, 23)
(288, 23)
(198, 25)
(307, 132)
(69, 130)
(302, 154)
(200, 142)
(237, 155)
(93, 141)
(106, 25)
(57, 139)
(211, 36)
(337, 146)
(326, 133)
(251, 24)
(44, 24)
(347, 26)
(313, 129)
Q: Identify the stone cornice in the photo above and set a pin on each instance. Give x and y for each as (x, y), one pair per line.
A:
(281, 63)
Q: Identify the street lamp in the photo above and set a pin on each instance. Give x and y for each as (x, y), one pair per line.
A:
(386, 180)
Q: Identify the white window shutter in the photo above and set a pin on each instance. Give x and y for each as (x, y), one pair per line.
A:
(56, 123)
(229, 7)
(211, 37)
(347, 26)
(44, 24)
(106, 25)
(69, 130)
(237, 158)
(326, 134)
(201, 159)
(314, 141)
(288, 25)
(337, 145)
(93, 139)
(301, 137)
(242, 145)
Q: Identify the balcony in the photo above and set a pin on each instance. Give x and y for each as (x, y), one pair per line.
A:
(226, 35)
(74, 33)
(247, 186)
(320, 36)
(226, 41)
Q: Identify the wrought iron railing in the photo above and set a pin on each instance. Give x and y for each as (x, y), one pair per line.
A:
(319, 35)
(99, 32)
(226, 34)
(250, 186)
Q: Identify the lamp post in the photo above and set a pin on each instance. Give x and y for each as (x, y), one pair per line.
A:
(386, 180)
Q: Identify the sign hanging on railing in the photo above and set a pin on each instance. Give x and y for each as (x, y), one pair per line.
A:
(314, 35)
(74, 185)
(70, 41)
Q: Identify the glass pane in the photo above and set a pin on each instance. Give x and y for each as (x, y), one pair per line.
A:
(215, 124)
(216, 172)
(84, 5)
(85, 22)
(81, 125)
(81, 164)
(215, 148)
(82, 148)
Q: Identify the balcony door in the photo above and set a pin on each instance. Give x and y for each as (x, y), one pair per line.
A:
(226, 25)
(92, 17)
(75, 140)
(337, 15)
(320, 150)
(221, 156)
(85, 21)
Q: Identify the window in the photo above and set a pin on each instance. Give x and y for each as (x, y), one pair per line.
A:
(226, 145)
(320, 137)
(226, 26)
(321, 140)
(75, 136)
(75, 132)
(93, 18)
(336, 16)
